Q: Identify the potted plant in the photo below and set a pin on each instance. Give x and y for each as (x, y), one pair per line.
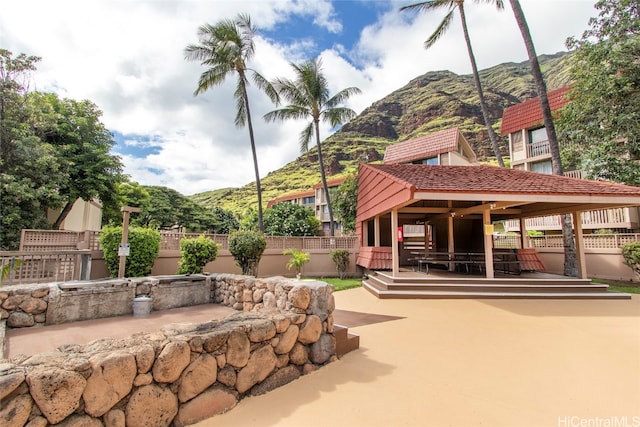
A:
(297, 260)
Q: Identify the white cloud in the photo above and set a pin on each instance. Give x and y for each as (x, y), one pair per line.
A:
(127, 58)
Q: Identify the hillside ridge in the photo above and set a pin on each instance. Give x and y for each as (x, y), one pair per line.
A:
(428, 103)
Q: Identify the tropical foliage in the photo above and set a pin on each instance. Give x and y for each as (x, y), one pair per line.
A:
(53, 151)
(297, 259)
(602, 121)
(346, 204)
(340, 258)
(225, 48)
(289, 219)
(631, 255)
(246, 247)
(195, 253)
(308, 97)
(144, 244)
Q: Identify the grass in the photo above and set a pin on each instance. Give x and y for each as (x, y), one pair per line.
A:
(620, 285)
(340, 284)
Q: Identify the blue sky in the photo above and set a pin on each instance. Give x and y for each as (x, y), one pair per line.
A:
(127, 57)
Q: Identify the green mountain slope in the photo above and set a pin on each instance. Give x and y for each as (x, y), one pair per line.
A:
(434, 101)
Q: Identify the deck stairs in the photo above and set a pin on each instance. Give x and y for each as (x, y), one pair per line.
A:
(536, 286)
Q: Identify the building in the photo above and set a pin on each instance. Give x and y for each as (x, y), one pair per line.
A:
(315, 200)
(448, 147)
(529, 150)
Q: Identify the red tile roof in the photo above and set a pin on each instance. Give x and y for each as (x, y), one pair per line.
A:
(423, 147)
(497, 180)
(332, 182)
(528, 114)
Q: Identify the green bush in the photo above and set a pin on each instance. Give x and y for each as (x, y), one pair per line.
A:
(297, 260)
(247, 247)
(195, 253)
(631, 255)
(144, 244)
(340, 258)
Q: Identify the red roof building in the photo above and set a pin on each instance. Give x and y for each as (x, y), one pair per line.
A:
(447, 147)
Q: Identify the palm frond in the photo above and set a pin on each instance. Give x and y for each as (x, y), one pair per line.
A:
(342, 96)
(429, 5)
(305, 137)
(294, 112)
(266, 86)
(339, 115)
(241, 106)
(440, 31)
(498, 3)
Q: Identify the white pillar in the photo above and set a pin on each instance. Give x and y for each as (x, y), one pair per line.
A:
(376, 231)
(488, 243)
(524, 236)
(577, 232)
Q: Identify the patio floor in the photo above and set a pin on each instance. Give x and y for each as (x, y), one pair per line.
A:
(445, 363)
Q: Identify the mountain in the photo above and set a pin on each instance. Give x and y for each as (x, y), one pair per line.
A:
(431, 102)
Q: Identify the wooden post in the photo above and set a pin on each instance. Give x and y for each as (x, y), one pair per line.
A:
(126, 210)
(488, 243)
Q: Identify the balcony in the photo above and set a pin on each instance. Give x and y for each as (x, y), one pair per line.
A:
(539, 148)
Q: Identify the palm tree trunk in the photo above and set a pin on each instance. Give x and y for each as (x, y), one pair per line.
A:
(570, 262)
(476, 78)
(63, 215)
(324, 178)
(255, 160)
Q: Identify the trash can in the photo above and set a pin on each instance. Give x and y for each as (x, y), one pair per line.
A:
(142, 306)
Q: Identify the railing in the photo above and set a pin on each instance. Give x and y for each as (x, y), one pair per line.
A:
(580, 174)
(44, 266)
(591, 241)
(601, 218)
(32, 240)
(540, 148)
(506, 242)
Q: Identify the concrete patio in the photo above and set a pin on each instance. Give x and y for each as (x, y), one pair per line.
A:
(469, 363)
(440, 363)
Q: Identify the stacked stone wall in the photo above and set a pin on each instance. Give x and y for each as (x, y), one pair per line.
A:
(183, 373)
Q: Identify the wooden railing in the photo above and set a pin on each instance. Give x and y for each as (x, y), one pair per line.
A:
(591, 241)
(19, 267)
(540, 148)
(601, 218)
(36, 240)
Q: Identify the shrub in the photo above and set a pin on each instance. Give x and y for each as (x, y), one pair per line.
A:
(247, 247)
(297, 260)
(631, 255)
(195, 253)
(144, 244)
(340, 258)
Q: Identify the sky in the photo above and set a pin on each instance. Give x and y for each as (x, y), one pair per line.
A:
(127, 57)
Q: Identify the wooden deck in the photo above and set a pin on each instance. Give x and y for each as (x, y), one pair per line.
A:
(438, 283)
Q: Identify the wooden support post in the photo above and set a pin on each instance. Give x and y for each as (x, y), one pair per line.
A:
(126, 210)
(488, 243)
(395, 255)
(577, 233)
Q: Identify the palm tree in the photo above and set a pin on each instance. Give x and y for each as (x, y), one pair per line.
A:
(439, 32)
(308, 96)
(225, 48)
(570, 263)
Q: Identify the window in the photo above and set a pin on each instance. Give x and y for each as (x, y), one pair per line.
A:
(542, 167)
(433, 161)
(516, 140)
(309, 200)
(538, 135)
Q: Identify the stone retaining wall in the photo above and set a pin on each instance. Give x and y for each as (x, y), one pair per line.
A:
(184, 373)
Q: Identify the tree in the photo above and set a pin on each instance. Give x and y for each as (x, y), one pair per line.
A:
(128, 193)
(570, 260)
(225, 48)
(346, 204)
(289, 219)
(226, 221)
(247, 247)
(53, 151)
(83, 144)
(439, 32)
(308, 96)
(602, 120)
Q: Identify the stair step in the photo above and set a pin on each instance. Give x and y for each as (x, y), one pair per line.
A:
(486, 293)
(345, 341)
